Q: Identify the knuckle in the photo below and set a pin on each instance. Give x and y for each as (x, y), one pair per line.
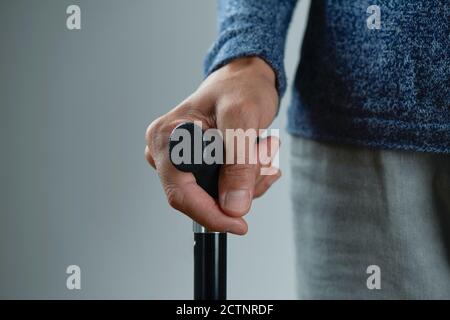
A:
(157, 133)
(149, 157)
(241, 110)
(175, 198)
(152, 129)
(239, 170)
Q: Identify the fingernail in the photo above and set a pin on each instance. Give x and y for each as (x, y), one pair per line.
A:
(237, 201)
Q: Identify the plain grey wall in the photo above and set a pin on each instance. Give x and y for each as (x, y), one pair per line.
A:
(75, 188)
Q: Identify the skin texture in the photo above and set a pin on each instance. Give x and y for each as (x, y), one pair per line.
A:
(241, 94)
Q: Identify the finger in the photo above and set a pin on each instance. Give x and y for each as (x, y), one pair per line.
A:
(236, 186)
(199, 206)
(238, 175)
(265, 183)
(185, 195)
(267, 150)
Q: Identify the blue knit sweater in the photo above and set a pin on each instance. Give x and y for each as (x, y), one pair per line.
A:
(385, 88)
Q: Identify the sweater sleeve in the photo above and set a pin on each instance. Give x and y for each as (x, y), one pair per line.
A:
(252, 28)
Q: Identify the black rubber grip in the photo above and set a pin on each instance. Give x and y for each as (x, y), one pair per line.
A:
(206, 175)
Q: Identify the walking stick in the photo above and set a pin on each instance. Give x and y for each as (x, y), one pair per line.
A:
(210, 248)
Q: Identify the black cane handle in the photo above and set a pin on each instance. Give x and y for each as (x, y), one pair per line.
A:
(206, 175)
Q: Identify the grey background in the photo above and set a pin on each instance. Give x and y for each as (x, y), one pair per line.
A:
(75, 188)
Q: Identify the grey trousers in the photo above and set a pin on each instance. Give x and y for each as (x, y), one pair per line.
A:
(370, 224)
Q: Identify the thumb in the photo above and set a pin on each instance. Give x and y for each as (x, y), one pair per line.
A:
(236, 185)
(238, 174)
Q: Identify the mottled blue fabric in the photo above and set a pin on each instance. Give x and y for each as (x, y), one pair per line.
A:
(385, 88)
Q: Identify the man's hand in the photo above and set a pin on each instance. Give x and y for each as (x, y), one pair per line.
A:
(241, 94)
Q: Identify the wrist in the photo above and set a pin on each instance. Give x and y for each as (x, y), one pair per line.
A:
(252, 64)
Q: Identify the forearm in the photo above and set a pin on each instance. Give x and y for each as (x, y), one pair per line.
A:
(252, 28)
